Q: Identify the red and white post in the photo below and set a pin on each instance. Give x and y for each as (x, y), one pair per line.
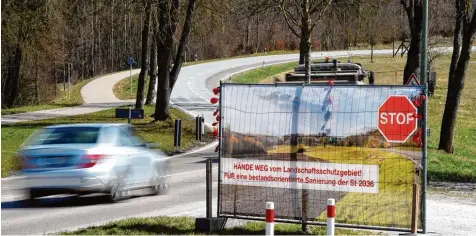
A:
(331, 216)
(269, 218)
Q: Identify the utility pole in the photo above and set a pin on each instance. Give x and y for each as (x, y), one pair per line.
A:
(424, 80)
(69, 79)
(130, 77)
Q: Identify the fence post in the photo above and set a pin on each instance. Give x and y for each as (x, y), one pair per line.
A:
(331, 215)
(178, 134)
(269, 218)
(209, 223)
(372, 77)
(415, 205)
(209, 188)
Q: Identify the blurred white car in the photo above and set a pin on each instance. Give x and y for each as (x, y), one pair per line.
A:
(90, 158)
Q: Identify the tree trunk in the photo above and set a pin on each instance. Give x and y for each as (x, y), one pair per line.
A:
(304, 45)
(165, 43)
(14, 79)
(37, 81)
(415, 20)
(413, 58)
(167, 30)
(456, 41)
(144, 59)
(455, 89)
(257, 34)
(152, 91)
(183, 43)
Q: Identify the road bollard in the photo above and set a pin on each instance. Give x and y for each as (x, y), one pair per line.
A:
(178, 134)
(269, 218)
(331, 216)
(198, 128)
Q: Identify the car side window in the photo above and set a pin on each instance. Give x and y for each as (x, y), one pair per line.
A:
(108, 135)
(123, 138)
(127, 138)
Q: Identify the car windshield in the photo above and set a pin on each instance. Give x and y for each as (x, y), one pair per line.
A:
(65, 135)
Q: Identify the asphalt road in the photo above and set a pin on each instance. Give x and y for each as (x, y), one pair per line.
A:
(187, 196)
(59, 213)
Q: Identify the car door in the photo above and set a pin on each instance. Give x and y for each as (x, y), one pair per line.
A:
(146, 172)
(134, 154)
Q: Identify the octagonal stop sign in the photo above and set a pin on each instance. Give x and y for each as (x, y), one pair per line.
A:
(397, 118)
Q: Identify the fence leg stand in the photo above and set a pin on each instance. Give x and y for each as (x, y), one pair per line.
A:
(209, 223)
(269, 218)
(209, 187)
(415, 208)
(331, 216)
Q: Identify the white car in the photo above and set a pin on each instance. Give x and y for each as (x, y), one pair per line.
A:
(90, 158)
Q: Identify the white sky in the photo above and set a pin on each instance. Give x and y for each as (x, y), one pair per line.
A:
(268, 110)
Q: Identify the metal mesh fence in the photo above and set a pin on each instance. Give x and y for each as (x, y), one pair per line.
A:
(298, 145)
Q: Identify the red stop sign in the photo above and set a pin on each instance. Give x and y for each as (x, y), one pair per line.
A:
(397, 118)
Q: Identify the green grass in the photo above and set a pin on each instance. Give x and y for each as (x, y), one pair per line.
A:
(158, 132)
(122, 89)
(186, 226)
(458, 167)
(251, 76)
(62, 100)
(391, 206)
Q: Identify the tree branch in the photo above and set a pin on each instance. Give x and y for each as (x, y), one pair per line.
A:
(472, 28)
(183, 42)
(404, 3)
(321, 14)
(286, 18)
(290, 26)
(318, 6)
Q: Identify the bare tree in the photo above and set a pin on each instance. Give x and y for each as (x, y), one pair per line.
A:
(144, 60)
(152, 90)
(456, 39)
(168, 11)
(298, 16)
(414, 11)
(456, 83)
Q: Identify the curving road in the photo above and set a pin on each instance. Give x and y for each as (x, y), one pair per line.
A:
(187, 196)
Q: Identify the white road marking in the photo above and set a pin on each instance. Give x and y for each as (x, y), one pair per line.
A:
(188, 172)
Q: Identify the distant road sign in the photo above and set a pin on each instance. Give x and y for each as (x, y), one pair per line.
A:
(131, 61)
(413, 80)
(124, 113)
(397, 118)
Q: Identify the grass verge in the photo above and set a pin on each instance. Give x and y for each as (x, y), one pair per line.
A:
(458, 167)
(186, 226)
(122, 89)
(158, 132)
(62, 100)
(267, 72)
